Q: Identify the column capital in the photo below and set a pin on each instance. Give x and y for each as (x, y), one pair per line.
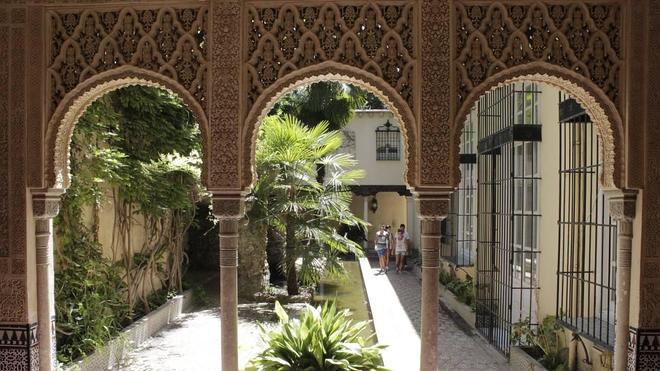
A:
(622, 204)
(432, 206)
(228, 205)
(46, 203)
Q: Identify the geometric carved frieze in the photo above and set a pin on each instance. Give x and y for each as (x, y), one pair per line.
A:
(584, 37)
(19, 347)
(374, 37)
(12, 299)
(643, 349)
(166, 40)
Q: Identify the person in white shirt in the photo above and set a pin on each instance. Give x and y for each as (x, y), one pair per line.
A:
(380, 243)
(402, 245)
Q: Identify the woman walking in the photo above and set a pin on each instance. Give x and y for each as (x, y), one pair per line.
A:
(401, 249)
(381, 242)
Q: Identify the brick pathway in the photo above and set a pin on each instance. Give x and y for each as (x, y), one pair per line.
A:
(395, 301)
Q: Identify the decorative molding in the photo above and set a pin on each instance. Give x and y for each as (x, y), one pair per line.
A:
(4, 145)
(228, 207)
(623, 205)
(576, 41)
(45, 205)
(370, 190)
(166, 40)
(432, 208)
(13, 304)
(435, 120)
(74, 104)
(225, 107)
(337, 72)
(581, 36)
(377, 38)
(597, 105)
(643, 349)
(19, 347)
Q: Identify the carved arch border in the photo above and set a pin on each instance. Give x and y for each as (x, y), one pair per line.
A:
(334, 71)
(595, 102)
(73, 105)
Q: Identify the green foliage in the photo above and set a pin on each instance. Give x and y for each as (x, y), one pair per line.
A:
(291, 199)
(328, 101)
(142, 145)
(545, 336)
(463, 289)
(324, 338)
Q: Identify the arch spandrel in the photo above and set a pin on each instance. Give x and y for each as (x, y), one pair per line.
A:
(572, 45)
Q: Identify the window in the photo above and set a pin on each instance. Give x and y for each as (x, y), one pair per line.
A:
(388, 142)
(508, 134)
(459, 242)
(587, 235)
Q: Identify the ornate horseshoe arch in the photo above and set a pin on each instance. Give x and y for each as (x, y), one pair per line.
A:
(329, 71)
(599, 107)
(74, 104)
(574, 46)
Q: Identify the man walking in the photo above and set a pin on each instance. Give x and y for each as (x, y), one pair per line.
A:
(381, 242)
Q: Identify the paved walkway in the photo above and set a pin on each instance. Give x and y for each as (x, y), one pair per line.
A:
(395, 301)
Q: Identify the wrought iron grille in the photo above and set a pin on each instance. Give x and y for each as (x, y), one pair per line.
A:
(388, 142)
(459, 242)
(587, 235)
(508, 212)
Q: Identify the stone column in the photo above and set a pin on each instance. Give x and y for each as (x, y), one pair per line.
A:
(622, 209)
(45, 207)
(431, 212)
(229, 210)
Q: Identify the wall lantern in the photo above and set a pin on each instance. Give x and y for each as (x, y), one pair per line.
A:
(374, 204)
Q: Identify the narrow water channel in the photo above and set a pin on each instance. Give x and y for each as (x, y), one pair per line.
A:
(347, 292)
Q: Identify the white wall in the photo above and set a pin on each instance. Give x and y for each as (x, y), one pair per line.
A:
(363, 126)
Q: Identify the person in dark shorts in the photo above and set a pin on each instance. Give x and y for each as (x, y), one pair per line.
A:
(381, 242)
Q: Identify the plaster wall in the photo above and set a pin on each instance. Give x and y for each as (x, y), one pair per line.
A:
(391, 210)
(548, 202)
(364, 125)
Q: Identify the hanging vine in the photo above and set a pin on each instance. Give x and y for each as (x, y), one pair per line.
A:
(136, 149)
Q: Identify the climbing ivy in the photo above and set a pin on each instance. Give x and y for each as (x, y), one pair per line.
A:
(142, 146)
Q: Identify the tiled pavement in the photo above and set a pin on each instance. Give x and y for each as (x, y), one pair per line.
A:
(395, 301)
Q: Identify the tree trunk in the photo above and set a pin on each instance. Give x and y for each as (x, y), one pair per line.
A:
(275, 255)
(291, 276)
(251, 258)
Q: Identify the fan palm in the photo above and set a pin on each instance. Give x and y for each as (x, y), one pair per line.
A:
(305, 211)
(329, 101)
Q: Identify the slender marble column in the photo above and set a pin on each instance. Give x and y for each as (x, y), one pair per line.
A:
(228, 210)
(622, 209)
(45, 207)
(432, 212)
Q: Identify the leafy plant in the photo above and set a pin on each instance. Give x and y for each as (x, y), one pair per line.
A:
(305, 211)
(324, 338)
(545, 336)
(142, 146)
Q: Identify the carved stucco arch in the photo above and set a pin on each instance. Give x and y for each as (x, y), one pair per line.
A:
(330, 71)
(73, 105)
(596, 103)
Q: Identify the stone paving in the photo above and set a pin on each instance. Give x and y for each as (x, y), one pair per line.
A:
(395, 301)
(192, 342)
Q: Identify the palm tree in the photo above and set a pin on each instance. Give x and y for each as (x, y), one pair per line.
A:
(329, 101)
(303, 210)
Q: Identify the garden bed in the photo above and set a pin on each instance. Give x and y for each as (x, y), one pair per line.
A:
(132, 336)
(451, 301)
(522, 359)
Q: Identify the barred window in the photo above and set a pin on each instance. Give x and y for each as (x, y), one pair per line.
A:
(388, 142)
(587, 234)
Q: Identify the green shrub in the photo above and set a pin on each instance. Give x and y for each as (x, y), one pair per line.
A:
(324, 338)
(545, 337)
